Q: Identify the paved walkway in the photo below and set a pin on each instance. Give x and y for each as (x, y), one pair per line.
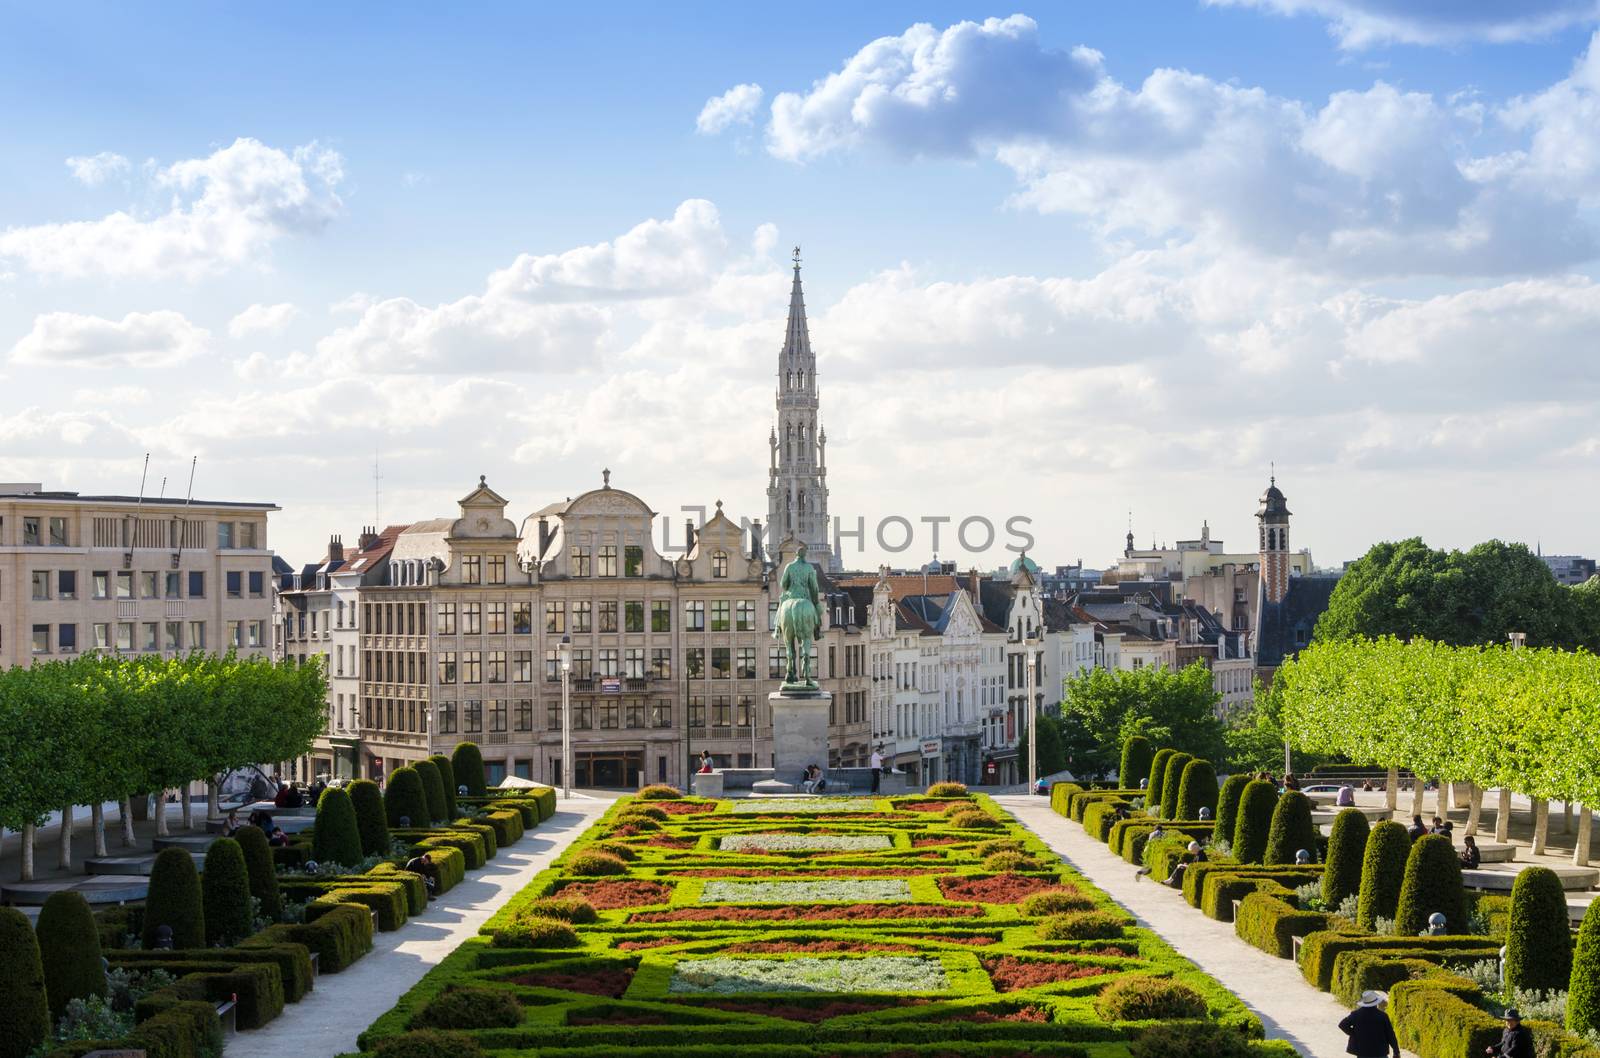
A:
(327, 1021)
(1289, 1008)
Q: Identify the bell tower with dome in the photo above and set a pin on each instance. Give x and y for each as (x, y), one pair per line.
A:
(1273, 515)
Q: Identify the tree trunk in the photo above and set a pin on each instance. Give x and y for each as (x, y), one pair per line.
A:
(125, 810)
(1416, 795)
(1474, 808)
(1541, 825)
(1441, 799)
(1502, 818)
(213, 795)
(28, 830)
(1566, 817)
(161, 814)
(1391, 789)
(97, 820)
(187, 805)
(1580, 850)
(64, 840)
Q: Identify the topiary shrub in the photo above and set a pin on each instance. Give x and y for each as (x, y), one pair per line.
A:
(1253, 824)
(1347, 845)
(1432, 883)
(625, 853)
(430, 1043)
(404, 799)
(660, 792)
(225, 894)
(532, 932)
(1056, 902)
(262, 873)
(447, 776)
(1082, 925)
(1197, 789)
(433, 791)
(948, 789)
(471, 1007)
(1228, 805)
(647, 811)
(592, 863)
(336, 838)
(24, 1008)
(1135, 763)
(1006, 862)
(1383, 870)
(1292, 829)
(974, 819)
(640, 824)
(174, 900)
(1539, 939)
(1140, 997)
(989, 848)
(367, 800)
(69, 948)
(1583, 989)
(1158, 771)
(1187, 1039)
(572, 909)
(1172, 782)
(467, 761)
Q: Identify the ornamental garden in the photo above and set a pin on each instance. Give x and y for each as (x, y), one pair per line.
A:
(924, 925)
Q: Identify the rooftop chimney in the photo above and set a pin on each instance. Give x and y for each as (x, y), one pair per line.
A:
(368, 537)
(335, 549)
(544, 537)
(755, 540)
(688, 535)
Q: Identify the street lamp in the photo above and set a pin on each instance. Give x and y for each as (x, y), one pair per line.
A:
(1033, 714)
(564, 653)
(355, 743)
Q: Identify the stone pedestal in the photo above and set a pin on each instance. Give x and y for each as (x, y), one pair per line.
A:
(799, 732)
(706, 784)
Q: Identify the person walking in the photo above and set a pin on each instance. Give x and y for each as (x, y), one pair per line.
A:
(876, 764)
(1369, 1028)
(1515, 1041)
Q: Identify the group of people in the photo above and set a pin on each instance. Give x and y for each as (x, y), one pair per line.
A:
(259, 819)
(812, 780)
(1372, 1033)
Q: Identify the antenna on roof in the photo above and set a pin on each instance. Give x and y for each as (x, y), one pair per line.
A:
(183, 523)
(163, 493)
(133, 530)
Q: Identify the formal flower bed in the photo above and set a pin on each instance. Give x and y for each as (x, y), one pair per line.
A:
(716, 932)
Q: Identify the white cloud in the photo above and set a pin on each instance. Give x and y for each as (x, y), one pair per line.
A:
(95, 169)
(736, 106)
(225, 210)
(1365, 23)
(139, 339)
(262, 319)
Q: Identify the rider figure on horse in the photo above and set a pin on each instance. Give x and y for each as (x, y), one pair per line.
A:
(799, 619)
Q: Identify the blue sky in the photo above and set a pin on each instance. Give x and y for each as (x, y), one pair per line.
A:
(1043, 281)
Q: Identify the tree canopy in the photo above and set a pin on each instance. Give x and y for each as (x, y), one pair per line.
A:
(1175, 708)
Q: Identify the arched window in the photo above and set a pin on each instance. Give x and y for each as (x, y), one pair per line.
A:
(719, 563)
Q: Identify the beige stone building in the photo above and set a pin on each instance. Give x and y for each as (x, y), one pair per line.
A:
(131, 575)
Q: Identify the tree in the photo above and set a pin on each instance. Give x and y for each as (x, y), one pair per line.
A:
(404, 801)
(1347, 847)
(336, 838)
(1292, 829)
(1383, 869)
(1047, 745)
(1175, 708)
(1135, 762)
(174, 901)
(69, 949)
(1197, 789)
(225, 891)
(1170, 783)
(1432, 885)
(1254, 824)
(468, 764)
(24, 1008)
(1228, 806)
(1539, 938)
(1583, 989)
(261, 870)
(367, 800)
(447, 775)
(1158, 773)
(432, 789)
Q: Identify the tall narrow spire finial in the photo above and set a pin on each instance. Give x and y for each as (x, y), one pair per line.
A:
(605, 477)
(1272, 467)
(797, 258)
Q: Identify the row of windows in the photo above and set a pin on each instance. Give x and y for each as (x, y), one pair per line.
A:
(577, 616)
(473, 716)
(130, 636)
(103, 584)
(726, 711)
(54, 531)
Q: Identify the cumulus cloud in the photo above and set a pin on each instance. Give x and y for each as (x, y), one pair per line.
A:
(224, 210)
(1365, 23)
(736, 106)
(94, 169)
(262, 319)
(139, 339)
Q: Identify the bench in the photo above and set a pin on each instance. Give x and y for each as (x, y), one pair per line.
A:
(228, 1015)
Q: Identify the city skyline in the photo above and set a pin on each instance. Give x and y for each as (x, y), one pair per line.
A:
(564, 251)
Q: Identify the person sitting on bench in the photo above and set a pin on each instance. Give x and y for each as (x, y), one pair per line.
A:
(812, 781)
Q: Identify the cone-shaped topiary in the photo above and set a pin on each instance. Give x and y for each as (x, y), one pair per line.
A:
(1197, 789)
(1432, 883)
(174, 901)
(371, 825)
(1254, 822)
(447, 775)
(1136, 754)
(69, 947)
(1583, 989)
(1228, 805)
(336, 838)
(1292, 829)
(263, 873)
(24, 1009)
(1158, 771)
(1539, 939)
(468, 764)
(1383, 870)
(404, 799)
(225, 889)
(1171, 782)
(432, 789)
(1347, 845)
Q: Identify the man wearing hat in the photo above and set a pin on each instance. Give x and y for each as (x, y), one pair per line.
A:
(1515, 1041)
(1370, 1031)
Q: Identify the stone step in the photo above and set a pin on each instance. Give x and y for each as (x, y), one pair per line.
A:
(139, 864)
(1501, 877)
(96, 889)
(192, 842)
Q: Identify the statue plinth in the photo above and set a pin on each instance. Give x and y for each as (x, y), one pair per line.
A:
(799, 731)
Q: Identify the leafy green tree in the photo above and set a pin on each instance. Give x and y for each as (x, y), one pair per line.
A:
(1175, 708)
(1383, 870)
(1047, 745)
(1254, 824)
(225, 894)
(336, 837)
(1432, 885)
(174, 901)
(1539, 938)
(69, 948)
(1347, 847)
(24, 1008)
(1196, 790)
(1135, 761)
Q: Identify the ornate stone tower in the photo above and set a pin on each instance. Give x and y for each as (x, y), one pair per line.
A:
(1274, 518)
(797, 480)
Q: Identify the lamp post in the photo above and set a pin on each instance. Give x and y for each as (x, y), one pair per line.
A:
(355, 743)
(564, 652)
(1033, 717)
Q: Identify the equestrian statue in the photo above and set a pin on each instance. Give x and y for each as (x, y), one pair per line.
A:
(799, 618)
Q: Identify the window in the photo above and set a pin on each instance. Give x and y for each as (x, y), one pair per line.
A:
(497, 715)
(697, 710)
(197, 635)
(661, 713)
(197, 584)
(660, 616)
(610, 715)
(257, 631)
(661, 663)
(747, 663)
(720, 668)
(472, 569)
(495, 667)
(125, 635)
(743, 714)
(257, 584)
(720, 711)
(633, 617)
(772, 613)
(608, 561)
(582, 715)
(775, 663)
(633, 713)
(102, 636)
(694, 662)
(497, 573)
(552, 716)
(555, 616)
(578, 562)
(102, 584)
(447, 718)
(41, 584)
(472, 716)
(66, 584)
(720, 621)
(745, 615)
(247, 535)
(633, 663)
(149, 585)
(694, 616)
(471, 666)
(522, 618)
(41, 639)
(582, 616)
(30, 532)
(583, 664)
(497, 619)
(235, 584)
(151, 639)
(174, 584)
(447, 666)
(719, 563)
(224, 535)
(58, 532)
(552, 666)
(608, 661)
(173, 636)
(471, 619)
(633, 561)
(522, 666)
(445, 618)
(524, 714)
(608, 615)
